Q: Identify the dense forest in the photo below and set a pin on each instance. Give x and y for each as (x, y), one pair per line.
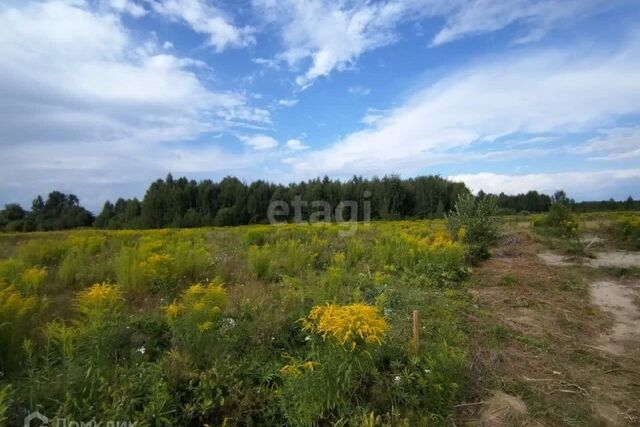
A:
(182, 202)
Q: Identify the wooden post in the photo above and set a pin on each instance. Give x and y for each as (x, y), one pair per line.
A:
(416, 330)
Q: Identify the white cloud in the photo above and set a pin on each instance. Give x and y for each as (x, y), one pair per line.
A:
(128, 6)
(288, 102)
(81, 101)
(207, 19)
(331, 34)
(260, 142)
(592, 185)
(614, 144)
(296, 145)
(465, 18)
(537, 94)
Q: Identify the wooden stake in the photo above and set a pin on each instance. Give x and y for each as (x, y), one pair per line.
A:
(416, 329)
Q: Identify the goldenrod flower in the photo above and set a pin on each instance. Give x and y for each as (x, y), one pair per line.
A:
(347, 324)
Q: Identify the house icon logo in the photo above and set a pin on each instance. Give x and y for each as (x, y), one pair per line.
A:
(41, 420)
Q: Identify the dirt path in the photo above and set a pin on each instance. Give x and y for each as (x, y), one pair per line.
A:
(561, 337)
(618, 299)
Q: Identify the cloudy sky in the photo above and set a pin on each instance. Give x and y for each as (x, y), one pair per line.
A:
(100, 97)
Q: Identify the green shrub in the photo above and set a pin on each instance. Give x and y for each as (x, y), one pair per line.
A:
(627, 230)
(560, 220)
(473, 221)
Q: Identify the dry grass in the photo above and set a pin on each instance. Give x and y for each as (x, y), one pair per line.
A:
(534, 336)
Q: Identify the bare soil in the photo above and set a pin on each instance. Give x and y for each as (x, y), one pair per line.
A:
(559, 335)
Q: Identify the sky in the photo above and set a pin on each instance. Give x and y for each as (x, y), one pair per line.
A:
(101, 97)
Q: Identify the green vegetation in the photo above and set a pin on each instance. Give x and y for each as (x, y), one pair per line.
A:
(627, 230)
(474, 222)
(59, 212)
(560, 220)
(184, 203)
(254, 325)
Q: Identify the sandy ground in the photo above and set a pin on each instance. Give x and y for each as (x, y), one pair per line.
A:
(558, 334)
(619, 300)
(613, 258)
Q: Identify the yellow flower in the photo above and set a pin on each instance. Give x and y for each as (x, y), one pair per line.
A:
(198, 307)
(349, 325)
(101, 298)
(33, 278)
(172, 310)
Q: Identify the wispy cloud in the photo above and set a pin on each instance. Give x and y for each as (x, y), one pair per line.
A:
(537, 94)
(203, 17)
(613, 144)
(289, 102)
(465, 18)
(296, 145)
(332, 35)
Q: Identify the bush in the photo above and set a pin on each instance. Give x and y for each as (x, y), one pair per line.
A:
(474, 222)
(627, 230)
(560, 220)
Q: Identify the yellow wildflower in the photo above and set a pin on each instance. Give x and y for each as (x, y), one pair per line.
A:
(172, 310)
(33, 277)
(347, 324)
(101, 298)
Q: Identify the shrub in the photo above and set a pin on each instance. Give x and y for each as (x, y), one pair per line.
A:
(627, 230)
(473, 221)
(559, 219)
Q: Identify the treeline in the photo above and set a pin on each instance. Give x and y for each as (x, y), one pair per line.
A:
(182, 202)
(187, 203)
(59, 212)
(531, 201)
(608, 205)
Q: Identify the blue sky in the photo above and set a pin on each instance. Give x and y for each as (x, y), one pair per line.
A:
(101, 97)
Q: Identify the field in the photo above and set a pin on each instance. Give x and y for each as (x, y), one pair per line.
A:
(312, 325)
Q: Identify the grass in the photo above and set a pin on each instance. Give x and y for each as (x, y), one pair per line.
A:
(205, 326)
(305, 325)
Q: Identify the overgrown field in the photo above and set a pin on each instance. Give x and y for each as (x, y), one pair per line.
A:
(254, 325)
